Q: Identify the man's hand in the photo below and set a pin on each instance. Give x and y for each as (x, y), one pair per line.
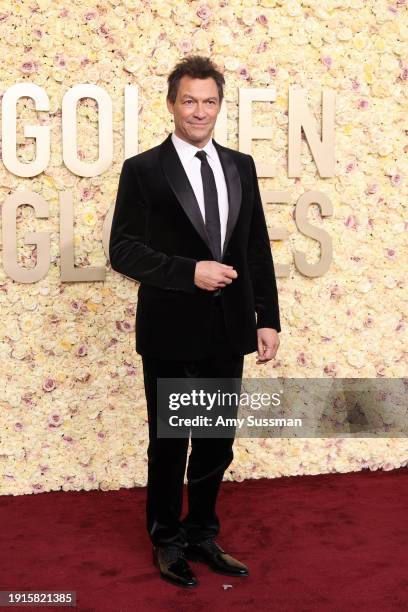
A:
(268, 343)
(211, 275)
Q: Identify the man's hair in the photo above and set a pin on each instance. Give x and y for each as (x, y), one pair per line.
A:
(196, 67)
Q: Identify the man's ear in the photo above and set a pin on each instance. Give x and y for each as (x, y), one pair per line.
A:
(170, 106)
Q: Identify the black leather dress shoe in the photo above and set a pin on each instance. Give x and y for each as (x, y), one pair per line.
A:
(208, 551)
(173, 566)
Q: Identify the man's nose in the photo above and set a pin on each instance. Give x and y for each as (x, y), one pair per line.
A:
(199, 110)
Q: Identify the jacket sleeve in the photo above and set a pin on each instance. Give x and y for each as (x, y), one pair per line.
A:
(128, 252)
(260, 264)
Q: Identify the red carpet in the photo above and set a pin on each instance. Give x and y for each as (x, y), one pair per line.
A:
(325, 542)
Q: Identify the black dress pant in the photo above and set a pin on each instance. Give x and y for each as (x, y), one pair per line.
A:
(167, 457)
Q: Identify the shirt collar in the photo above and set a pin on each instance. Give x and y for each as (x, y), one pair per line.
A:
(187, 151)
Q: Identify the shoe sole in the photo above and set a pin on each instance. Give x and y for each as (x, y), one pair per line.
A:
(184, 586)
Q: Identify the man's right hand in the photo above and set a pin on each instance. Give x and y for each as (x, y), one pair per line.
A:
(211, 275)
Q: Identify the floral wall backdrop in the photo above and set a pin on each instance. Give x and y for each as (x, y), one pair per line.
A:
(72, 411)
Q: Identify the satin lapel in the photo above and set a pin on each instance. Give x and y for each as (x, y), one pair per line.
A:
(181, 186)
(233, 187)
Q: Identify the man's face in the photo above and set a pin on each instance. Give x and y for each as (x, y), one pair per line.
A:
(195, 110)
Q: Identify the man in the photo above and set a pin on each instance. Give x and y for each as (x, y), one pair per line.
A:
(189, 226)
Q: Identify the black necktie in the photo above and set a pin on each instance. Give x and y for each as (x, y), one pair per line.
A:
(212, 215)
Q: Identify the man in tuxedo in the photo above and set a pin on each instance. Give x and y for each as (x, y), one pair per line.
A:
(189, 226)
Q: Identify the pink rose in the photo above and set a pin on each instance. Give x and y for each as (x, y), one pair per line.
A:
(49, 385)
(301, 359)
(204, 12)
(355, 85)
(396, 180)
(330, 369)
(82, 351)
(351, 222)
(327, 61)
(91, 14)
(185, 45)
(29, 67)
(363, 104)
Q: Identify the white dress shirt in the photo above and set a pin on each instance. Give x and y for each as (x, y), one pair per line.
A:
(192, 166)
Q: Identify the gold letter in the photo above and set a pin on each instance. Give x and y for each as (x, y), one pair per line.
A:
(41, 239)
(322, 149)
(326, 247)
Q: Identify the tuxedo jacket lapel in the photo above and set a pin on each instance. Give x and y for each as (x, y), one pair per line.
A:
(179, 183)
(234, 190)
(181, 186)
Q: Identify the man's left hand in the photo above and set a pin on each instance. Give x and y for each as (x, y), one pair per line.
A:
(268, 343)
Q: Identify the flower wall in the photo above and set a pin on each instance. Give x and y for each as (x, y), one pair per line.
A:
(72, 411)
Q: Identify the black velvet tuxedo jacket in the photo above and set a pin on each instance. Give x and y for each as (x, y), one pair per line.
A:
(157, 237)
